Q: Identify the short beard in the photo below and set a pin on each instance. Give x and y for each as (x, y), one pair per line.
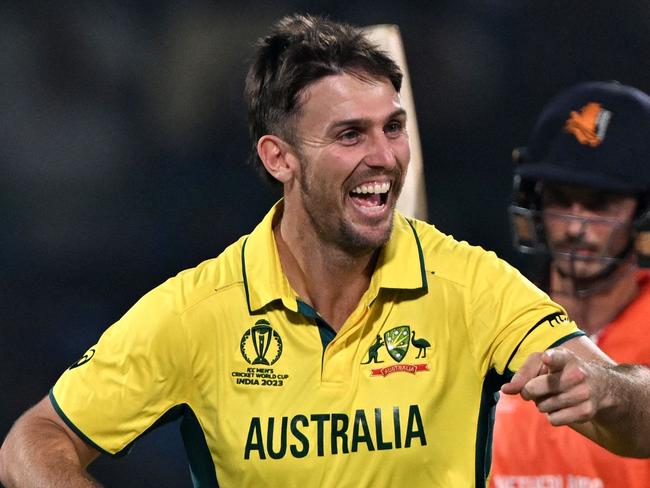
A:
(604, 272)
(352, 243)
(597, 282)
(583, 281)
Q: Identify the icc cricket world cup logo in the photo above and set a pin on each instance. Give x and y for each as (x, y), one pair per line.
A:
(261, 344)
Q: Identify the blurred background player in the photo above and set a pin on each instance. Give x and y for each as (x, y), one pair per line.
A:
(581, 204)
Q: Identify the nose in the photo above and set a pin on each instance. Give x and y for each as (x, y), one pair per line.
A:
(576, 226)
(381, 153)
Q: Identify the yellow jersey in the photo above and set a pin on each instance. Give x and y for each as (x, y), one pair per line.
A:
(271, 396)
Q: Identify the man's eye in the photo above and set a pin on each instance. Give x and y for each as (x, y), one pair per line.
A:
(349, 137)
(394, 128)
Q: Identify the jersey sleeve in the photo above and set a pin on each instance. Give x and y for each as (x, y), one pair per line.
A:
(512, 317)
(131, 380)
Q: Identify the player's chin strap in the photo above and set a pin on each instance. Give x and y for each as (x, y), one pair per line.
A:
(614, 267)
(623, 264)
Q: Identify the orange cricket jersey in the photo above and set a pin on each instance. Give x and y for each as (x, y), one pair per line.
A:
(528, 452)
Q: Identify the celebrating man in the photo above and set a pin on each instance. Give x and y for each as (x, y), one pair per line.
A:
(339, 344)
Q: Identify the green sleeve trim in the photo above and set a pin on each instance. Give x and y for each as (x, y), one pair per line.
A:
(566, 338)
(549, 317)
(202, 467)
(75, 429)
(170, 415)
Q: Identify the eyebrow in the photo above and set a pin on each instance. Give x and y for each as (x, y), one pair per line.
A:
(400, 112)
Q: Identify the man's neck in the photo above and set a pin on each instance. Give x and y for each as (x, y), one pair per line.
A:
(596, 310)
(324, 276)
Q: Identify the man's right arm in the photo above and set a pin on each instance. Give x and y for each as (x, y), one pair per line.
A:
(576, 384)
(41, 450)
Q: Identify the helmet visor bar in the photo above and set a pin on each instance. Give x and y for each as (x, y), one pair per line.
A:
(615, 232)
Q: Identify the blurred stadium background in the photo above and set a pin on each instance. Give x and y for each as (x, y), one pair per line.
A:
(123, 140)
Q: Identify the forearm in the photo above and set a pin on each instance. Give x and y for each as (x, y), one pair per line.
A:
(578, 385)
(622, 424)
(39, 453)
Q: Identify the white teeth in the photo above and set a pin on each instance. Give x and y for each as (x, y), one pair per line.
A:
(372, 188)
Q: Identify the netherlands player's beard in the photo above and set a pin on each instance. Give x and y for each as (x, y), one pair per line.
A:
(603, 272)
(580, 282)
(330, 224)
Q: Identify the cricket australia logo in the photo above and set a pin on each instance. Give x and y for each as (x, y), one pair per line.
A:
(261, 344)
(397, 342)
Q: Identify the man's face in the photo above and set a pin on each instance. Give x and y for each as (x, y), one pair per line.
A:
(354, 152)
(585, 227)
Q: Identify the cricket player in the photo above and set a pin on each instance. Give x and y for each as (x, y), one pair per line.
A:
(339, 344)
(581, 203)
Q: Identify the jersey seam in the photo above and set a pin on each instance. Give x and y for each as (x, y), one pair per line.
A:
(445, 278)
(214, 292)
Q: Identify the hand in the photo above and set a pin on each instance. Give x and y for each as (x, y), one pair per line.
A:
(578, 384)
(562, 385)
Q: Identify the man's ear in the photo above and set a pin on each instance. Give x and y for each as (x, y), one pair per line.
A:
(277, 157)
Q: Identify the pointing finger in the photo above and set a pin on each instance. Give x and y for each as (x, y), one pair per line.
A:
(556, 359)
(532, 368)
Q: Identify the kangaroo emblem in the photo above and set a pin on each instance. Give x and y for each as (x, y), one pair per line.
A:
(373, 351)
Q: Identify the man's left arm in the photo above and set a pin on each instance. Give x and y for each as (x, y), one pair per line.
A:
(578, 385)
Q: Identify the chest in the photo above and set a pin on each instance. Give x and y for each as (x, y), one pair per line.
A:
(281, 389)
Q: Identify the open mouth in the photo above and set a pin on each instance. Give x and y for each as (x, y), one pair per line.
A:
(371, 195)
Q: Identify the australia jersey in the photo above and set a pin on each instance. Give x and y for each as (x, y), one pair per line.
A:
(271, 396)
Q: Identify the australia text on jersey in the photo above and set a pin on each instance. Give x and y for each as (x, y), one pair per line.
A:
(334, 433)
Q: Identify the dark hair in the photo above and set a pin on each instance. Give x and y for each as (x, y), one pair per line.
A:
(300, 50)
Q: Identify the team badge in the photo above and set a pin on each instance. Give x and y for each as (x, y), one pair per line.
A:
(261, 344)
(589, 124)
(397, 341)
